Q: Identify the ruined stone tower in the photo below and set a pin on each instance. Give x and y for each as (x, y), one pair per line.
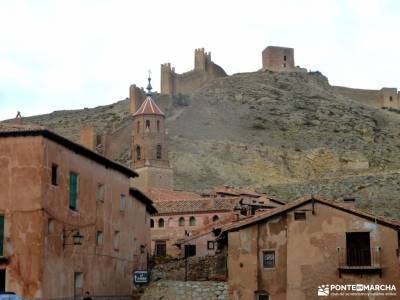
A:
(278, 59)
(149, 149)
(136, 98)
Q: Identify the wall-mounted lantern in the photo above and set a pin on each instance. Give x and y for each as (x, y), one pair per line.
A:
(77, 237)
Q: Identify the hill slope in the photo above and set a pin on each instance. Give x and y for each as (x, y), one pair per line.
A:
(283, 133)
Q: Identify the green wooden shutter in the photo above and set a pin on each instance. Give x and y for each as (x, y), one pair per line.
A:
(73, 190)
(1, 235)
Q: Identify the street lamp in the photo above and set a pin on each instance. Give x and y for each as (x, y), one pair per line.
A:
(77, 237)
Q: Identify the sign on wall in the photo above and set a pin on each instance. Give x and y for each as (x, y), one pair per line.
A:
(141, 277)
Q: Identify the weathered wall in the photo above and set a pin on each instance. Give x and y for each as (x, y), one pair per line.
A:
(21, 162)
(385, 97)
(306, 254)
(107, 270)
(172, 232)
(209, 267)
(189, 290)
(278, 59)
(201, 243)
(204, 70)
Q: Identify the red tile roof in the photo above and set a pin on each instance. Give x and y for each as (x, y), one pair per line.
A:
(148, 107)
(303, 200)
(200, 205)
(168, 195)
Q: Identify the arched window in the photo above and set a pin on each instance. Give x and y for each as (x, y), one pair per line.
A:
(147, 124)
(158, 125)
(138, 153)
(138, 126)
(181, 221)
(159, 149)
(151, 223)
(215, 218)
(192, 221)
(161, 223)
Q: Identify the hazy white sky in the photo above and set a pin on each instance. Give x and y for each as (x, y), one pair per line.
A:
(72, 54)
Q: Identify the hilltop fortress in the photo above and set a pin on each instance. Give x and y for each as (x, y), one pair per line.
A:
(275, 59)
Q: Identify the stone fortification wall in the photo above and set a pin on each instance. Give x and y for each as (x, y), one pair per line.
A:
(385, 97)
(204, 70)
(186, 290)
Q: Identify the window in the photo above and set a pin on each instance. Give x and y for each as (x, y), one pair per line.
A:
(284, 65)
(151, 223)
(161, 249)
(262, 296)
(391, 98)
(73, 190)
(1, 235)
(122, 202)
(269, 259)
(158, 125)
(138, 154)
(284, 57)
(138, 126)
(210, 245)
(299, 215)
(215, 218)
(192, 221)
(101, 191)
(54, 174)
(78, 282)
(116, 240)
(147, 124)
(358, 249)
(99, 238)
(161, 223)
(50, 226)
(181, 221)
(158, 151)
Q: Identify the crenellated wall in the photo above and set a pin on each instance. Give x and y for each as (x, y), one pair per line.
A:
(204, 70)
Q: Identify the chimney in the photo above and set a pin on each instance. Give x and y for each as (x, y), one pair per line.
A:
(88, 137)
(349, 201)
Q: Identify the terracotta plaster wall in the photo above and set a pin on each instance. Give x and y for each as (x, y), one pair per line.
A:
(312, 255)
(20, 203)
(107, 270)
(172, 232)
(242, 263)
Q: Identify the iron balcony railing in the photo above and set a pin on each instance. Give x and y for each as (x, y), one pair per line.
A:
(359, 258)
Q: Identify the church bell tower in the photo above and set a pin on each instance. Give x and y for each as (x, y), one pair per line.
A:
(149, 148)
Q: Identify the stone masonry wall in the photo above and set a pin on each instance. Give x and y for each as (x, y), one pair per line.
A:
(186, 290)
(198, 268)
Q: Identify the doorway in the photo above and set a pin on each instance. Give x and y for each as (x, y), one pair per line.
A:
(358, 249)
(2, 280)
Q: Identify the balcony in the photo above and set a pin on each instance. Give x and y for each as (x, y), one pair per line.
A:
(359, 261)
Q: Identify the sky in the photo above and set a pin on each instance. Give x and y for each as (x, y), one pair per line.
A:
(71, 54)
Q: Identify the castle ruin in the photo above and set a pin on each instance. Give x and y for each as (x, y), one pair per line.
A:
(278, 59)
(204, 70)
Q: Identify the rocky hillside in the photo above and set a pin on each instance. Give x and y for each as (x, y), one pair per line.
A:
(286, 134)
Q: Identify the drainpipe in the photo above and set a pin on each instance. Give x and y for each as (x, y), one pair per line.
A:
(258, 257)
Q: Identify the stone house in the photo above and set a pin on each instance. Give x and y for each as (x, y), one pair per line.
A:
(295, 250)
(69, 221)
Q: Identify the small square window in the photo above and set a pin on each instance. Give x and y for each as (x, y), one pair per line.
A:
(269, 259)
(54, 174)
(99, 238)
(101, 191)
(262, 296)
(299, 215)
(122, 202)
(210, 245)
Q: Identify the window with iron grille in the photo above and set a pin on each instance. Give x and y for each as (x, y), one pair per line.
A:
(269, 259)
